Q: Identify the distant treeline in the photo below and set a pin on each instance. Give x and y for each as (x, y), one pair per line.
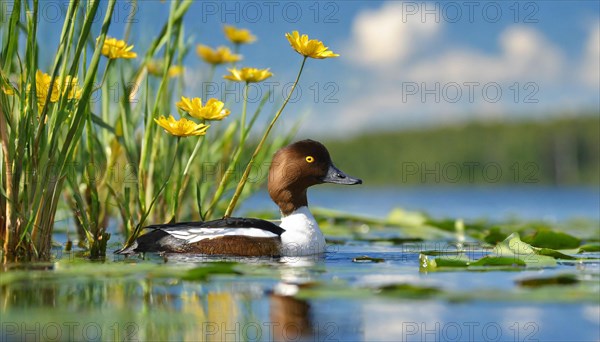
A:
(562, 151)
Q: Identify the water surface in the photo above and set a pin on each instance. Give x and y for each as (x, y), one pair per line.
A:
(328, 298)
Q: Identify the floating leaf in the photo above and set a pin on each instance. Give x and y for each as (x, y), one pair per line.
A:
(409, 291)
(203, 272)
(451, 262)
(511, 253)
(498, 261)
(430, 263)
(552, 239)
(494, 236)
(366, 258)
(392, 240)
(590, 247)
(409, 218)
(555, 254)
(335, 289)
(513, 247)
(561, 279)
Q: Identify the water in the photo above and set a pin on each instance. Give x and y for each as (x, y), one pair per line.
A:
(529, 203)
(333, 298)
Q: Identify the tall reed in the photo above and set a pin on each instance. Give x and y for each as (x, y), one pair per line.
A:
(99, 160)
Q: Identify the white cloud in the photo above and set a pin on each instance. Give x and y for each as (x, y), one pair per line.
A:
(387, 35)
(389, 49)
(383, 42)
(590, 66)
(524, 54)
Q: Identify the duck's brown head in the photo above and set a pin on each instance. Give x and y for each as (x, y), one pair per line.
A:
(298, 166)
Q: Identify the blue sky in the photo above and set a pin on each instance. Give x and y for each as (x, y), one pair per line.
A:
(403, 64)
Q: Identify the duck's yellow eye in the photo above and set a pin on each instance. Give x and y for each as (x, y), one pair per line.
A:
(310, 159)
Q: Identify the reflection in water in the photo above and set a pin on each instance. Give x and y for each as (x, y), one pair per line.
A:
(51, 306)
(291, 319)
(141, 300)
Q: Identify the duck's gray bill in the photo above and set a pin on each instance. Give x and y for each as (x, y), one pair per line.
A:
(335, 175)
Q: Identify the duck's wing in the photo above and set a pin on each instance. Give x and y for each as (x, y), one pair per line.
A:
(162, 237)
(226, 223)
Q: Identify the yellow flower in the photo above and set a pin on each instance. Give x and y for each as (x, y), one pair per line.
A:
(42, 87)
(217, 56)
(213, 110)
(71, 86)
(114, 48)
(250, 75)
(175, 70)
(238, 35)
(182, 127)
(312, 48)
(155, 68)
(7, 90)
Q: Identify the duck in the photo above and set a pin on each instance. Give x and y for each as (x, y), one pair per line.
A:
(294, 168)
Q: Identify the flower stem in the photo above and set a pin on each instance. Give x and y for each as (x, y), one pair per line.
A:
(236, 50)
(146, 212)
(211, 76)
(242, 183)
(234, 161)
(243, 120)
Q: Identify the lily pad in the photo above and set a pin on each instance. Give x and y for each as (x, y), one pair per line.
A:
(494, 236)
(498, 261)
(366, 259)
(552, 239)
(432, 263)
(561, 279)
(409, 291)
(513, 247)
(590, 247)
(555, 254)
(203, 272)
(510, 254)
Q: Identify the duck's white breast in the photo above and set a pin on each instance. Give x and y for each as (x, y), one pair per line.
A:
(302, 235)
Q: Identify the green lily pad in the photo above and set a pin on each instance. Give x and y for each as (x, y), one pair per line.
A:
(589, 247)
(335, 289)
(494, 236)
(510, 254)
(552, 239)
(409, 291)
(513, 247)
(498, 261)
(561, 279)
(203, 272)
(555, 254)
(431, 263)
(366, 258)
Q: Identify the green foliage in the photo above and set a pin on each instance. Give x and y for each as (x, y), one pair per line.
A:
(556, 151)
(510, 253)
(561, 279)
(551, 239)
(203, 272)
(107, 158)
(367, 259)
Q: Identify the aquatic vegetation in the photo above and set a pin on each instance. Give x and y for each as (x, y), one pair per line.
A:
(93, 161)
(261, 75)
